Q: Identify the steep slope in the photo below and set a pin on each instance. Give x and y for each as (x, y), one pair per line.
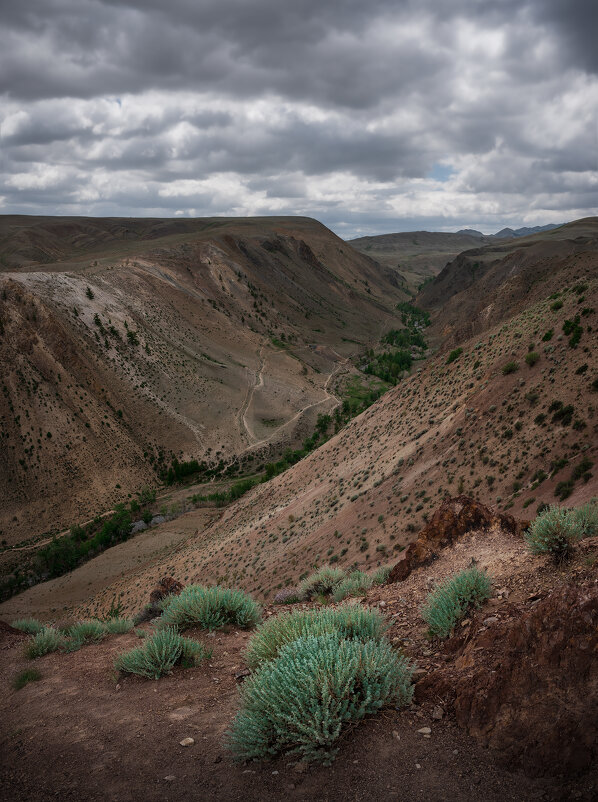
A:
(125, 342)
(516, 439)
(486, 285)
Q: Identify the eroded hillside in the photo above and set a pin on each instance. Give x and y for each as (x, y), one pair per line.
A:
(126, 342)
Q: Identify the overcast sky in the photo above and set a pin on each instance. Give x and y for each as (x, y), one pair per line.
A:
(371, 115)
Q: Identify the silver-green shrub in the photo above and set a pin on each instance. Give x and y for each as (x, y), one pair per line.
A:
(381, 575)
(90, 631)
(118, 626)
(348, 622)
(46, 641)
(210, 608)
(321, 583)
(29, 625)
(586, 518)
(299, 702)
(356, 584)
(556, 530)
(160, 653)
(449, 602)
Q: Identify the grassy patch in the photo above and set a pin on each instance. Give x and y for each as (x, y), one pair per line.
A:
(451, 600)
(210, 608)
(160, 653)
(26, 676)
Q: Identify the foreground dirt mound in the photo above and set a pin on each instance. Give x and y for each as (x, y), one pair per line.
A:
(453, 519)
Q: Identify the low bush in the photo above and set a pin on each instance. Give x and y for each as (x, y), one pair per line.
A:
(348, 622)
(90, 631)
(299, 702)
(531, 358)
(555, 532)
(29, 625)
(26, 676)
(454, 354)
(586, 518)
(510, 367)
(381, 575)
(356, 584)
(160, 653)
(450, 601)
(46, 641)
(210, 608)
(321, 583)
(118, 626)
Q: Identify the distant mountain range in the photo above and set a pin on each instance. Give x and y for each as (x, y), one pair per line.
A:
(509, 233)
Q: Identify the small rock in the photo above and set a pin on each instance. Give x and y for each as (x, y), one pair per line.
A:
(490, 620)
(274, 772)
(504, 592)
(169, 778)
(466, 622)
(382, 604)
(300, 767)
(425, 731)
(417, 766)
(395, 735)
(187, 742)
(437, 713)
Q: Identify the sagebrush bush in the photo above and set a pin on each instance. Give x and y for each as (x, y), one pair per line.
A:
(210, 608)
(160, 653)
(586, 518)
(556, 530)
(321, 583)
(29, 625)
(355, 584)
(46, 641)
(381, 575)
(90, 631)
(348, 622)
(299, 702)
(449, 602)
(118, 626)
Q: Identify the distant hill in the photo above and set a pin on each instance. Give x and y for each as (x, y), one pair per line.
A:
(509, 233)
(485, 285)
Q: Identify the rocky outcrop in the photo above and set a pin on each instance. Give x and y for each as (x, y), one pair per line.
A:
(453, 519)
(534, 695)
(527, 686)
(167, 586)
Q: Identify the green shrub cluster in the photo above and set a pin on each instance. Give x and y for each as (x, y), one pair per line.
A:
(45, 641)
(210, 608)
(118, 626)
(328, 581)
(300, 701)
(355, 584)
(556, 530)
(454, 354)
(321, 583)
(29, 625)
(91, 631)
(348, 622)
(160, 653)
(449, 602)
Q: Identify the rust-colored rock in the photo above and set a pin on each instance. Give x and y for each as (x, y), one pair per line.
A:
(531, 685)
(167, 586)
(454, 518)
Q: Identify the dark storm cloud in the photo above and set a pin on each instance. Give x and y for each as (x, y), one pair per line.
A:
(340, 110)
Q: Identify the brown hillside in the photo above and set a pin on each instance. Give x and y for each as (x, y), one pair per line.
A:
(484, 286)
(207, 339)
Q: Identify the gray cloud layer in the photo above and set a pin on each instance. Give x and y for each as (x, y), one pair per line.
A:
(375, 116)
